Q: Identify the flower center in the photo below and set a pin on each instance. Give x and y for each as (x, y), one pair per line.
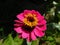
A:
(30, 20)
(27, 28)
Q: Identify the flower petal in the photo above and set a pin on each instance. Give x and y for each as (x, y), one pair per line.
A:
(39, 16)
(16, 24)
(24, 35)
(18, 21)
(41, 28)
(27, 11)
(18, 30)
(29, 37)
(38, 33)
(20, 16)
(33, 37)
(42, 22)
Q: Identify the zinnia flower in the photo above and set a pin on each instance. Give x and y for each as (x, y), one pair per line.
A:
(30, 25)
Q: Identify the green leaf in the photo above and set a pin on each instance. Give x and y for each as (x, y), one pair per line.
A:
(57, 40)
(50, 38)
(18, 41)
(9, 40)
(1, 29)
(55, 25)
(50, 43)
(36, 42)
(1, 41)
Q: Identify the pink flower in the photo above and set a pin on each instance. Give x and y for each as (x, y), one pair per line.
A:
(30, 24)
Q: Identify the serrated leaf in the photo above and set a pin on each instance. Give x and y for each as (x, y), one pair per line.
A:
(18, 40)
(9, 40)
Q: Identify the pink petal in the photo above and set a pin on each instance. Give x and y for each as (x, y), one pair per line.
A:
(18, 21)
(41, 28)
(33, 37)
(42, 22)
(29, 38)
(18, 30)
(39, 16)
(24, 35)
(34, 12)
(20, 16)
(27, 11)
(16, 24)
(38, 33)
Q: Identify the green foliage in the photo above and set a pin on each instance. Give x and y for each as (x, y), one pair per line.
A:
(36, 42)
(1, 29)
(50, 43)
(50, 38)
(56, 25)
(1, 41)
(18, 40)
(10, 41)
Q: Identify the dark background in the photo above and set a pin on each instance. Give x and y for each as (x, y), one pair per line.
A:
(10, 8)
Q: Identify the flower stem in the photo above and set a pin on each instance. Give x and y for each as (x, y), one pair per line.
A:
(28, 43)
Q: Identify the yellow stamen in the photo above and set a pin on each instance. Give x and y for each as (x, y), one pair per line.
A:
(29, 17)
